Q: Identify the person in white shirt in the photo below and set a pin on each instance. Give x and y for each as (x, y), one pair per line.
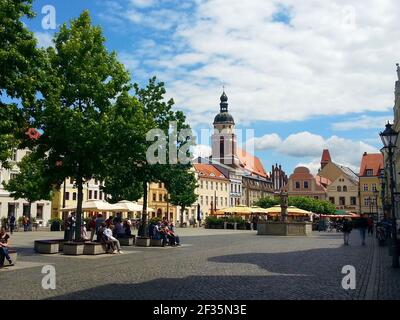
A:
(108, 233)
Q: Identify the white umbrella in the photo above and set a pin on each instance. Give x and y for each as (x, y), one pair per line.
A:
(96, 205)
(129, 206)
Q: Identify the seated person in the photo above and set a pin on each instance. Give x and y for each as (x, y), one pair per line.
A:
(107, 233)
(4, 245)
(127, 228)
(164, 235)
(119, 231)
(84, 234)
(173, 239)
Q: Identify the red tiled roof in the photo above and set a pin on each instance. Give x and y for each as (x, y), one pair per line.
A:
(208, 171)
(326, 156)
(251, 163)
(371, 161)
(33, 134)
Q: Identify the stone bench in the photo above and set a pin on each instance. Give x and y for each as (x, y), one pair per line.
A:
(142, 242)
(74, 248)
(156, 242)
(129, 241)
(94, 248)
(47, 246)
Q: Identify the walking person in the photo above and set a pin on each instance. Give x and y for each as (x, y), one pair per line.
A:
(347, 227)
(4, 245)
(25, 223)
(370, 226)
(362, 225)
(11, 224)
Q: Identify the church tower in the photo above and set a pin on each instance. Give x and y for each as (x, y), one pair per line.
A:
(224, 138)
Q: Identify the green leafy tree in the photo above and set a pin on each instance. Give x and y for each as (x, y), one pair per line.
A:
(18, 62)
(80, 82)
(31, 182)
(126, 151)
(181, 185)
(267, 202)
(313, 205)
(159, 115)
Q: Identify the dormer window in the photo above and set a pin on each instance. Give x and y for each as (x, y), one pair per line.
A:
(369, 172)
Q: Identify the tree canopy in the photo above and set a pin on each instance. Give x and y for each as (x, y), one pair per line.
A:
(304, 203)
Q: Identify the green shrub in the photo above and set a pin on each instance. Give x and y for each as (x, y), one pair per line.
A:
(155, 220)
(214, 221)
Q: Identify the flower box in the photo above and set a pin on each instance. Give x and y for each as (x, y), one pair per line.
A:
(94, 248)
(74, 248)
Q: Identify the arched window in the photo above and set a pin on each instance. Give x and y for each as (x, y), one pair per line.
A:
(339, 189)
(344, 188)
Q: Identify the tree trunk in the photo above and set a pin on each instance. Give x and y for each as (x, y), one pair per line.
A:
(143, 225)
(79, 183)
(181, 217)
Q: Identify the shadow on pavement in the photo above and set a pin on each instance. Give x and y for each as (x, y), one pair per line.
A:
(310, 274)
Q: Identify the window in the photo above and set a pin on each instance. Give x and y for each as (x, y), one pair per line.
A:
(344, 188)
(160, 197)
(201, 184)
(226, 187)
(305, 184)
(332, 200)
(231, 188)
(71, 181)
(25, 209)
(206, 200)
(339, 189)
(74, 196)
(13, 175)
(239, 188)
(207, 185)
(160, 185)
(90, 194)
(365, 187)
(216, 201)
(316, 197)
(353, 201)
(231, 202)
(297, 185)
(101, 195)
(226, 202)
(67, 196)
(14, 155)
(95, 194)
(374, 187)
(39, 211)
(342, 201)
(236, 188)
(367, 201)
(212, 185)
(370, 172)
(154, 197)
(216, 186)
(201, 200)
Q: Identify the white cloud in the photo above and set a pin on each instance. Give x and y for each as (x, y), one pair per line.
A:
(269, 141)
(305, 146)
(335, 57)
(45, 39)
(362, 122)
(201, 151)
(142, 3)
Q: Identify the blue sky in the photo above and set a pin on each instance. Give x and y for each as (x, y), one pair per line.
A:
(304, 76)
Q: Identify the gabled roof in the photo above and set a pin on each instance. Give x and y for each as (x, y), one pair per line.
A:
(371, 161)
(208, 171)
(350, 174)
(251, 163)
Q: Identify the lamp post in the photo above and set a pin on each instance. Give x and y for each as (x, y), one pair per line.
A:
(382, 179)
(389, 138)
(376, 203)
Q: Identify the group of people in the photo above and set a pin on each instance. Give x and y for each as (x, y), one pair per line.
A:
(4, 246)
(164, 230)
(12, 223)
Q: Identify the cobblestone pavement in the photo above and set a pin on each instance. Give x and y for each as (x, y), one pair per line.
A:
(212, 264)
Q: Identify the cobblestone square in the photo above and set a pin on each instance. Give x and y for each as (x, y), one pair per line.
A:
(211, 264)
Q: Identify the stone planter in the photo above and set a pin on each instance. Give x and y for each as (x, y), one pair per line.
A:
(94, 248)
(74, 248)
(127, 241)
(142, 242)
(60, 243)
(47, 246)
(284, 228)
(156, 242)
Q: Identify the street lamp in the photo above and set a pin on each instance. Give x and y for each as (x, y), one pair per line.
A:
(389, 138)
(376, 192)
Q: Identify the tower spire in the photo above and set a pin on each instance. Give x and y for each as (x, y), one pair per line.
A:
(224, 101)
